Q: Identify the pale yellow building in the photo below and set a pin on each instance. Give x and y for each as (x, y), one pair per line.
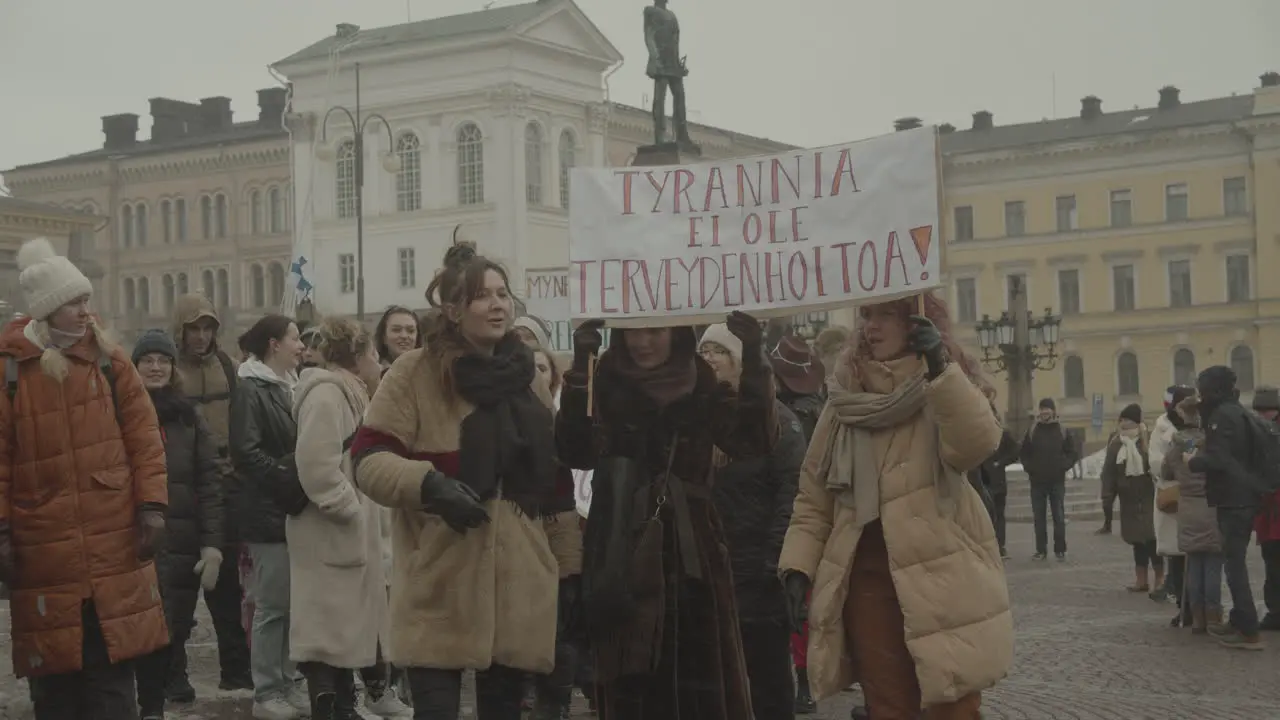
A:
(1154, 233)
(70, 230)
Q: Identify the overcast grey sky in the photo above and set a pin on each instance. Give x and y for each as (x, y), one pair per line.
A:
(809, 72)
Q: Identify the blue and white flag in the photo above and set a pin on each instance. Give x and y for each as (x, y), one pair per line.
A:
(298, 287)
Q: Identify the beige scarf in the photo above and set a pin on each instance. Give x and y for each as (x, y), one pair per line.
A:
(848, 465)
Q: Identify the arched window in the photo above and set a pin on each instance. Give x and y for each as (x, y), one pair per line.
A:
(220, 215)
(1073, 377)
(224, 289)
(206, 217)
(533, 164)
(258, 286)
(275, 282)
(275, 201)
(409, 176)
(166, 221)
(255, 212)
(183, 286)
(126, 225)
(1127, 374)
(345, 184)
(1184, 367)
(470, 165)
(567, 159)
(130, 295)
(206, 285)
(1242, 366)
(180, 218)
(169, 290)
(140, 220)
(144, 295)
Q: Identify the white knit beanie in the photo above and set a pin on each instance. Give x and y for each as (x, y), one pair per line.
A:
(535, 327)
(48, 279)
(720, 335)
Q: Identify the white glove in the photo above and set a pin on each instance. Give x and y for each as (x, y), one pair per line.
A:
(208, 567)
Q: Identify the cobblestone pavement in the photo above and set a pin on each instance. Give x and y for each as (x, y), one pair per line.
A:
(1086, 650)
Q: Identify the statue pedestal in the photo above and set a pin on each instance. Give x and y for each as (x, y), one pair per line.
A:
(667, 153)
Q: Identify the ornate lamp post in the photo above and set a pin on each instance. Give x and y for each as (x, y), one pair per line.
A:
(390, 162)
(1018, 344)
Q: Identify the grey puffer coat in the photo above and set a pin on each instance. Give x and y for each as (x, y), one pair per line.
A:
(1197, 522)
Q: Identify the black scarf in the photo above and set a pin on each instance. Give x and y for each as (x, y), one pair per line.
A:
(171, 406)
(508, 441)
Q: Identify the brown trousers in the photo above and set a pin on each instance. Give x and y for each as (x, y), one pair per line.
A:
(874, 625)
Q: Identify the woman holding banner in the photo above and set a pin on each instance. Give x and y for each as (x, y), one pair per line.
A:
(886, 528)
(659, 594)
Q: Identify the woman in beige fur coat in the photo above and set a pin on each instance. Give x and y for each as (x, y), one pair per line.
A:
(909, 594)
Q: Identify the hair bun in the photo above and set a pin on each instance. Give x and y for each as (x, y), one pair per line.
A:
(459, 254)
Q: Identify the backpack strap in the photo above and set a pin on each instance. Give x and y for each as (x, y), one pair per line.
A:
(228, 369)
(104, 364)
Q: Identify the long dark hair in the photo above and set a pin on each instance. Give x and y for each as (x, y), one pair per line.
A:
(380, 332)
(459, 280)
(256, 341)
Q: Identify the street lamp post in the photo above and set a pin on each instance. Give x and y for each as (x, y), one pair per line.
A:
(390, 162)
(1018, 345)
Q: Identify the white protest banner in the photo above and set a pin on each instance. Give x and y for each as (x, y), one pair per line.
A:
(546, 297)
(770, 235)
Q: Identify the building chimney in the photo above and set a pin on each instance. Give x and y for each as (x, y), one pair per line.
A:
(215, 114)
(1270, 79)
(1169, 98)
(906, 123)
(346, 30)
(946, 128)
(1090, 107)
(271, 106)
(171, 119)
(121, 131)
(982, 120)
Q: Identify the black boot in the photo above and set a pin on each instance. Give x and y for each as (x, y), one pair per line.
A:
(344, 706)
(323, 684)
(1106, 521)
(178, 689)
(804, 699)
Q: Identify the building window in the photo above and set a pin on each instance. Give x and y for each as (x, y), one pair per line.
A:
(257, 286)
(1065, 207)
(169, 291)
(1011, 284)
(1069, 292)
(408, 268)
(1127, 374)
(223, 287)
(1242, 366)
(1123, 290)
(345, 188)
(140, 220)
(144, 295)
(183, 286)
(567, 160)
(533, 164)
(409, 176)
(1175, 202)
(206, 217)
(275, 282)
(1073, 377)
(1238, 282)
(180, 218)
(206, 285)
(220, 215)
(129, 297)
(126, 225)
(1121, 208)
(275, 205)
(1234, 200)
(966, 300)
(1015, 218)
(346, 273)
(470, 165)
(964, 222)
(1180, 283)
(255, 212)
(1184, 367)
(166, 221)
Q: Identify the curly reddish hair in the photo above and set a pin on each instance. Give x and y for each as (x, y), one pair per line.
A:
(936, 310)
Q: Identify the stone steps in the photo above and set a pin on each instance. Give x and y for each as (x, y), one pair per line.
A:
(1082, 499)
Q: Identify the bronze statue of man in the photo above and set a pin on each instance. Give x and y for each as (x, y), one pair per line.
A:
(667, 68)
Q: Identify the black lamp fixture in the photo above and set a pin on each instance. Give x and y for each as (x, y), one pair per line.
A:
(1000, 348)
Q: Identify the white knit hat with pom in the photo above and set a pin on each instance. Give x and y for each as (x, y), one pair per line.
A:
(720, 335)
(48, 279)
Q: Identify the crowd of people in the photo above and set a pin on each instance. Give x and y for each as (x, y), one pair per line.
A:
(372, 513)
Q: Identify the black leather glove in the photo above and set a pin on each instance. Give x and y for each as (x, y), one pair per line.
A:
(748, 330)
(455, 503)
(586, 342)
(925, 340)
(796, 585)
(150, 533)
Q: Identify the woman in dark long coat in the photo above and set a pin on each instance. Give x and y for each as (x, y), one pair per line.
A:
(658, 590)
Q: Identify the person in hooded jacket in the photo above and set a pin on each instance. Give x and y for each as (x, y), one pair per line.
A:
(191, 558)
(754, 498)
(207, 375)
(1266, 402)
